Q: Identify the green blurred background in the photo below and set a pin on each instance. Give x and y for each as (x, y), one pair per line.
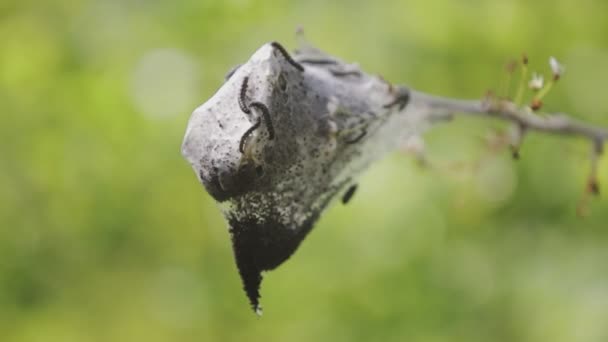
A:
(106, 235)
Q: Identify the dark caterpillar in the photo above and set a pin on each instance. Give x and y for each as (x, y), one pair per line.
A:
(357, 138)
(349, 193)
(266, 114)
(247, 134)
(287, 56)
(242, 95)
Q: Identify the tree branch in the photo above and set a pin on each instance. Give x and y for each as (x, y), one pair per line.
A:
(524, 120)
(557, 123)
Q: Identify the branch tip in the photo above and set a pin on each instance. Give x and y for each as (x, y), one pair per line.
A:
(536, 105)
(594, 187)
(598, 146)
(515, 152)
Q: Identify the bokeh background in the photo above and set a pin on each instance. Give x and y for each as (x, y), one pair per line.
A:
(106, 235)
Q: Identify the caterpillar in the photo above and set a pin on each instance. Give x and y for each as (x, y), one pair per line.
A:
(242, 95)
(247, 134)
(349, 193)
(357, 138)
(287, 56)
(266, 114)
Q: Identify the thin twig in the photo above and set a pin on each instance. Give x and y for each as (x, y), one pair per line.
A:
(557, 123)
